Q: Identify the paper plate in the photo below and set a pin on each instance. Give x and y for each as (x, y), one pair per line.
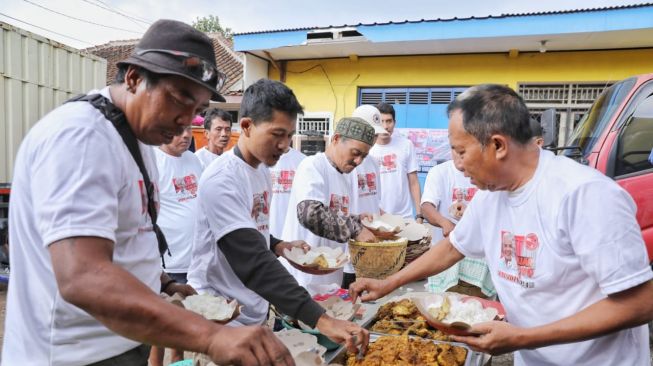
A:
(464, 312)
(305, 262)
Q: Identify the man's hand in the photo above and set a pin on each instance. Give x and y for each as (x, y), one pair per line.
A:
(340, 331)
(279, 248)
(496, 338)
(447, 227)
(373, 289)
(366, 216)
(365, 236)
(183, 289)
(248, 346)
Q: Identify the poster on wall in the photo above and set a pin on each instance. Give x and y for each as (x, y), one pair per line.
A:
(431, 146)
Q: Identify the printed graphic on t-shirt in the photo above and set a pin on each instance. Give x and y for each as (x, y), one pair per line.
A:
(388, 163)
(261, 210)
(282, 180)
(518, 258)
(339, 203)
(366, 184)
(185, 187)
(459, 201)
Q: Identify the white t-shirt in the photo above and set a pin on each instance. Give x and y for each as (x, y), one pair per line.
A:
(366, 192)
(445, 187)
(366, 187)
(282, 175)
(570, 239)
(178, 178)
(232, 196)
(205, 156)
(316, 180)
(396, 160)
(74, 177)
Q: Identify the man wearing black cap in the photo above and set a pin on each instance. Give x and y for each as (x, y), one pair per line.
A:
(86, 268)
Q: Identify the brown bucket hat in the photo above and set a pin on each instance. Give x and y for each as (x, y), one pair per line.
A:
(174, 48)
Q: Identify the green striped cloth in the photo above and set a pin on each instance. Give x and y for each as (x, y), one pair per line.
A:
(473, 271)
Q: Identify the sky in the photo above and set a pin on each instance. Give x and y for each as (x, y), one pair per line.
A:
(70, 21)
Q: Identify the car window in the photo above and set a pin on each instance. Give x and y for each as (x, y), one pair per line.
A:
(636, 141)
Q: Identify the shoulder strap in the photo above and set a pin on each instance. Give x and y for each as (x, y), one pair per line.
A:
(119, 121)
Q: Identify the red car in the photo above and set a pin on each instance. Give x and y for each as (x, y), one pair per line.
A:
(616, 137)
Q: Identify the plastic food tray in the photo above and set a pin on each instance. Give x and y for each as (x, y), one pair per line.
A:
(473, 358)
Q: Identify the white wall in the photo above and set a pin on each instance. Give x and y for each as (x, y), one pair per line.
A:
(255, 68)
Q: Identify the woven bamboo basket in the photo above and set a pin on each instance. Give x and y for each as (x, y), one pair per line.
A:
(377, 260)
(416, 248)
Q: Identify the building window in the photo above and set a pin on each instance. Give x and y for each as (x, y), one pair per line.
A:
(570, 100)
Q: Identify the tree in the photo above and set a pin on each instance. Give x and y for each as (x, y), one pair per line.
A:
(211, 24)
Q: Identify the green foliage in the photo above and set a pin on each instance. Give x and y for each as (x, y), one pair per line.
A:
(211, 24)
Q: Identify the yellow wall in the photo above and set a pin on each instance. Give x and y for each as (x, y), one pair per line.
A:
(316, 94)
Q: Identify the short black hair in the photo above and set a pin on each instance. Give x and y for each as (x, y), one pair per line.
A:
(536, 128)
(490, 109)
(386, 108)
(151, 78)
(265, 96)
(214, 113)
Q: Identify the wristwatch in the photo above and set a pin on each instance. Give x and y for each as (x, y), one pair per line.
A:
(419, 216)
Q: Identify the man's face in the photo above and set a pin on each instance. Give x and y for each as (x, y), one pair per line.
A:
(180, 143)
(476, 162)
(388, 123)
(159, 113)
(269, 140)
(348, 153)
(506, 247)
(218, 136)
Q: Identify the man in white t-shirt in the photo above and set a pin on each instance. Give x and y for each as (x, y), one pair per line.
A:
(319, 206)
(564, 248)
(217, 130)
(282, 175)
(398, 166)
(86, 267)
(234, 254)
(447, 192)
(365, 182)
(179, 173)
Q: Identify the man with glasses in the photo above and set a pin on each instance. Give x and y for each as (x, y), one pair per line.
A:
(87, 273)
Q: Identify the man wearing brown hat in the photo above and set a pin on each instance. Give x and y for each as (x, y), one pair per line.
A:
(86, 267)
(318, 209)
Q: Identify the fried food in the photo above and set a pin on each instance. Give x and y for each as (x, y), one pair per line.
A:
(401, 351)
(399, 317)
(321, 261)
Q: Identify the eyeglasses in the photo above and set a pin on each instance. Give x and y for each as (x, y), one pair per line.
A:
(194, 64)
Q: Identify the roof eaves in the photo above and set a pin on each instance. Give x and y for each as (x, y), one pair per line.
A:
(506, 15)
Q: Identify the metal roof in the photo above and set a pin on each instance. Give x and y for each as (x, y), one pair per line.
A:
(508, 15)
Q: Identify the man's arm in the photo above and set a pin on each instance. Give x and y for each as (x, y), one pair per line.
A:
(318, 219)
(413, 185)
(440, 257)
(260, 271)
(626, 309)
(87, 278)
(434, 217)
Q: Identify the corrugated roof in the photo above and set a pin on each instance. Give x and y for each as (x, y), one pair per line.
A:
(508, 15)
